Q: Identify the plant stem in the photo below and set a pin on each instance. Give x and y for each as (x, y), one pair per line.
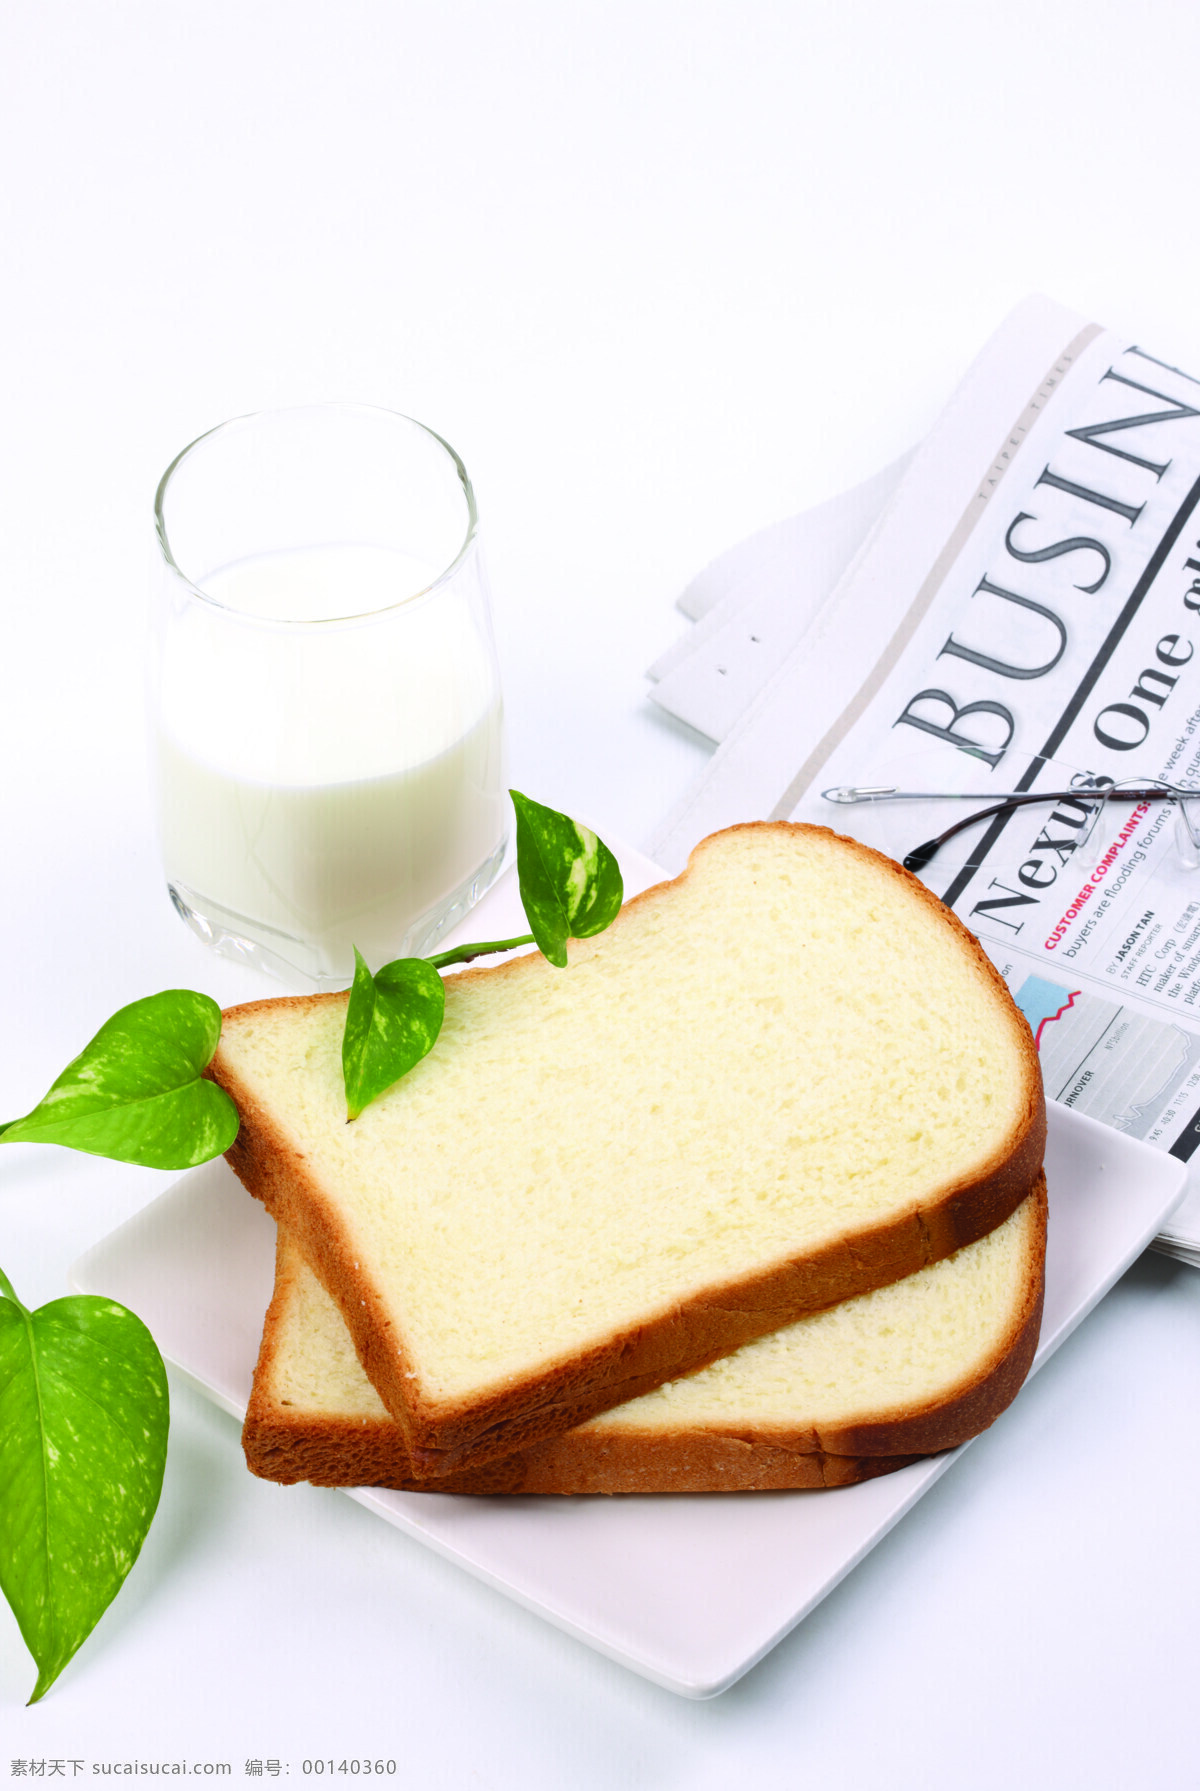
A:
(462, 954)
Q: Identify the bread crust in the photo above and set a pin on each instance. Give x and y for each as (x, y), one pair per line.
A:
(716, 1321)
(338, 1451)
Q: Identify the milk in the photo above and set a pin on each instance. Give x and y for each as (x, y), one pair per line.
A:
(328, 783)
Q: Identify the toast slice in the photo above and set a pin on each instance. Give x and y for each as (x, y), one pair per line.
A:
(786, 1078)
(858, 1390)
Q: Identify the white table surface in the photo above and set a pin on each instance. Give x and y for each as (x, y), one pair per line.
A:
(663, 272)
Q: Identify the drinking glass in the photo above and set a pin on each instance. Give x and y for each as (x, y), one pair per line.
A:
(325, 702)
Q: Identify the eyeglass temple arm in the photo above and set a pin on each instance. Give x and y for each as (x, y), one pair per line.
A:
(920, 856)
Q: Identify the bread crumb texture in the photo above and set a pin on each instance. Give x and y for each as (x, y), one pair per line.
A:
(788, 1044)
(901, 1348)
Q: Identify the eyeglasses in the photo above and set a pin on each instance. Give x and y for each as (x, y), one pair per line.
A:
(1090, 796)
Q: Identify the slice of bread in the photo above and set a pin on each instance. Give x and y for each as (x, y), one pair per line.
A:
(858, 1390)
(784, 1079)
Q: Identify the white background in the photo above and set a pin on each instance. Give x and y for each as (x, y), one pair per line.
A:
(663, 273)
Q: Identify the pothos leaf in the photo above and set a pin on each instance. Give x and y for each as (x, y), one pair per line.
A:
(571, 888)
(136, 1091)
(392, 1021)
(570, 882)
(83, 1439)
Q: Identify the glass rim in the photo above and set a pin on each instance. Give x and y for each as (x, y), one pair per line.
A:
(254, 416)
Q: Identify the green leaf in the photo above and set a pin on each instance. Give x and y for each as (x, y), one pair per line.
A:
(392, 1021)
(83, 1439)
(136, 1091)
(569, 880)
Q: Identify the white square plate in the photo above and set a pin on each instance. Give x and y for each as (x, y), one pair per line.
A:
(688, 1590)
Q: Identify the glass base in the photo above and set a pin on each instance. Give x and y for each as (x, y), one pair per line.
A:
(289, 960)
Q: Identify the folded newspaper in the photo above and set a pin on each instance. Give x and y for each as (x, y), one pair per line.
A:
(1007, 619)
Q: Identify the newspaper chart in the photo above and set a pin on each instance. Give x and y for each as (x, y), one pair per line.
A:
(1024, 620)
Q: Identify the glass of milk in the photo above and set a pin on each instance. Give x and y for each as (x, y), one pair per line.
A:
(325, 699)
